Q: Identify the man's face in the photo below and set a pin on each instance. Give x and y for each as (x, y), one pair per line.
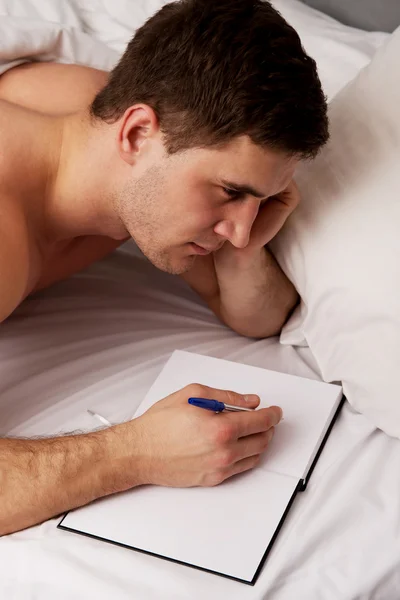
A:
(184, 205)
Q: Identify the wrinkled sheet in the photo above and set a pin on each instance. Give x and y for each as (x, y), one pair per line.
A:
(99, 339)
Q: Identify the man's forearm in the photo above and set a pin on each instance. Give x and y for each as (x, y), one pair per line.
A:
(42, 478)
(255, 296)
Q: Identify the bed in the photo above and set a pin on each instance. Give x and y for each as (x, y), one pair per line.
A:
(98, 340)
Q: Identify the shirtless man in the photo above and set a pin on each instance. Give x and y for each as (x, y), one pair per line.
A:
(189, 148)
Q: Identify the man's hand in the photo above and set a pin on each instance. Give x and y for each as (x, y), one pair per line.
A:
(182, 445)
(274, 213)
(269, 221)
(245, 287)
(172, 444)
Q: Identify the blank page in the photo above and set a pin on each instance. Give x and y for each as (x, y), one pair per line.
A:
(308, 405)
(225, 529)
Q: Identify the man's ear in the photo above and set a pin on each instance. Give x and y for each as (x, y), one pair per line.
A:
(138, 125)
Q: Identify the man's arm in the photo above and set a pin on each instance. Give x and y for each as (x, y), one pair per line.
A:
(245, 287)
(39, 478)
(171, 444)
(42, 478)
(250, 294)
(260, 304)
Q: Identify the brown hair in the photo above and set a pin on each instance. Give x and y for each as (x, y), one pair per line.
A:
(215, 69)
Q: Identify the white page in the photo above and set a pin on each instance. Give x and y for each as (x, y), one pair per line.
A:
(308, 405)
(225, 529)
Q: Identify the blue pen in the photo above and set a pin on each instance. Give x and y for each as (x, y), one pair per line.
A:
(216, 406)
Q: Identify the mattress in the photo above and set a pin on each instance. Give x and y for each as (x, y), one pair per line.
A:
(98, 341)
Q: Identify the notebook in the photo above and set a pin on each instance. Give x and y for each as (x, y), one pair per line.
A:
(228, 529)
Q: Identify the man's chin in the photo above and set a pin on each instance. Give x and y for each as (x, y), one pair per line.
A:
(173, 266)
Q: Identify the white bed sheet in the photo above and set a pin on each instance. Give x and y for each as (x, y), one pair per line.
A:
(99, 340)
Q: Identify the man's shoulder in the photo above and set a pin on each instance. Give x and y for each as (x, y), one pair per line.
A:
(51, 88)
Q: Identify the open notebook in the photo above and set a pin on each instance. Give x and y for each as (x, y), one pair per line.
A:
(230, 528)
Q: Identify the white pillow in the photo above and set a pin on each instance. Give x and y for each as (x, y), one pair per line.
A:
(340, 51)
(341, 247)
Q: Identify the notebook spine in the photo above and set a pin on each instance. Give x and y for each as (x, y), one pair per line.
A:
(304, 482)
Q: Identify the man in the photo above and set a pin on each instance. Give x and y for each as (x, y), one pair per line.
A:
(190, 148)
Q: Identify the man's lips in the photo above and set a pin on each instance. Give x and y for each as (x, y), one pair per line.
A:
(204, 250)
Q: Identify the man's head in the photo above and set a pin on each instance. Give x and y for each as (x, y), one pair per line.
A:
(208, 94)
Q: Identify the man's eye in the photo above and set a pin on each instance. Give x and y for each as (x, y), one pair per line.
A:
(233, 194)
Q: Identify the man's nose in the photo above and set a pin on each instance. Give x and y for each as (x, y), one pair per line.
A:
(236, 226)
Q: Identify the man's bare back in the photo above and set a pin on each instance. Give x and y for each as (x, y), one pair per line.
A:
(31, 97)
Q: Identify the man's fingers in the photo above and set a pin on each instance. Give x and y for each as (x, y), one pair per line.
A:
(249, 450)
(289, 197)
(244, 400)
(273, 214)
(243, 465)
(197, 390)
(249, 423)
(253, 444)
(270, 219)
